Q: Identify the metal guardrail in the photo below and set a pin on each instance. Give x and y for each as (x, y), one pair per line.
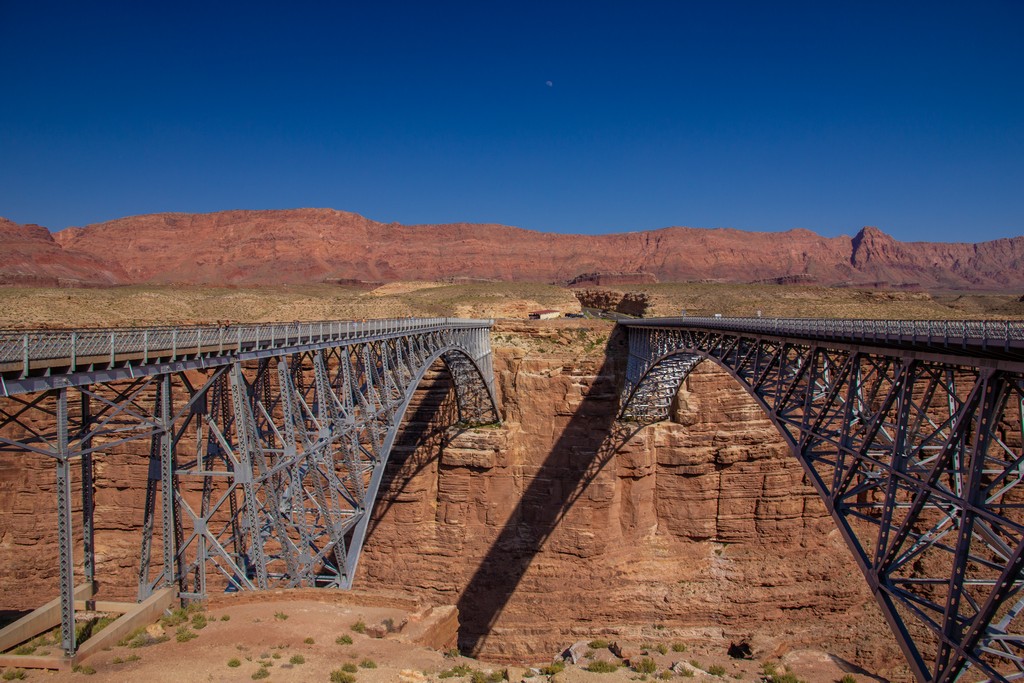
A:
(25, 347)
(1003, 333)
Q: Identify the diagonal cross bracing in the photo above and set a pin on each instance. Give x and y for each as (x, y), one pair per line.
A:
(266, 444)
(913, 435)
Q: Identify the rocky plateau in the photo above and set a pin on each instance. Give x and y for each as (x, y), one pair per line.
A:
(299, 246)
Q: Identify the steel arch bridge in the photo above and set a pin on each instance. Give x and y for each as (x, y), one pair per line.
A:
(266, 444)
(911, 433)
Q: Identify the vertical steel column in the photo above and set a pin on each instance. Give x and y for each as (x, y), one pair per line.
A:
(245, 426)
(64, 529)
(167, 480)
(88, 500)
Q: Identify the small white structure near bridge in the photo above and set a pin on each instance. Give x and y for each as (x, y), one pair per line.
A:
(545, 314)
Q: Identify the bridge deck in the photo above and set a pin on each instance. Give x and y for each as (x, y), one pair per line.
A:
(977, 339)
(34, 360)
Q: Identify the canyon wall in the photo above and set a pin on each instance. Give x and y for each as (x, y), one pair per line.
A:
(322, 245)
(556, 525)
(703, 527)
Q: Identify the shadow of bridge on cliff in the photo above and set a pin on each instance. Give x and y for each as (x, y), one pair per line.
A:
(586, 444)
(589, 440)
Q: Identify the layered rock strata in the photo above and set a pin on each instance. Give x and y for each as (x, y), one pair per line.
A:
(299, 246)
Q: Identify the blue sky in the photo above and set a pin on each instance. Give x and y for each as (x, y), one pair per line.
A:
(753, 115)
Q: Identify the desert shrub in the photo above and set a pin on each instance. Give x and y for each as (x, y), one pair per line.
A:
(297, 659)
(678, 647)
(368, 664)
(309, 641)
(280, 616)
(225, 617)
(848, 678)
(199, 621)
(602, 667)
(456, 672)
(339, 676)
(184, 634)
(359, 626)
(234, 662)
(26, 649)
(598, 644)
(14, 675)
(259, 674)
(645, 666)
(349, 667)
(553, 668)
(85, 670)
(662, 648)
(343, 640)
(716, 670)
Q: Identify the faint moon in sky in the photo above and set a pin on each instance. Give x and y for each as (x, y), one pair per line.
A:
(548, 83)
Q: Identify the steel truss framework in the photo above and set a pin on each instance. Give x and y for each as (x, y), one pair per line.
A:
(918, 458)
(263, 466)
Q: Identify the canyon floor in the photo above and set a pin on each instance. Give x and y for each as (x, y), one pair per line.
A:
(297, 637)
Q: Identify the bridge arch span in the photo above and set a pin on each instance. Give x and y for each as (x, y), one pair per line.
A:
(917, 453)
(266, 443)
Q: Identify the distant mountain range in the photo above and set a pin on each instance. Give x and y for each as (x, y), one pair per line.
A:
(299, 246)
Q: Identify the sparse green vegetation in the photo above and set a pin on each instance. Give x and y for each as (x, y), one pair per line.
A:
(343, 640)
(199, 621)
(14, 675)
(84, 670)
(185, 634)
(602, 667)
(260, 674)
(848, 678)
(359, 626)
(456, 671)
(598, 644)
(716, 670)
(349, 667)
(368, 664)
(339, 676)
(297, 659)
(645, 666)
(225, 617)
(309, 641)
(280, 616)
(662, 648)
(678, 647)
(553, 668)
(140, 638)
(234, 662)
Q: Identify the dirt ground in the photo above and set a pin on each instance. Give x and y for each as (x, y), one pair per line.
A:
(298, 638)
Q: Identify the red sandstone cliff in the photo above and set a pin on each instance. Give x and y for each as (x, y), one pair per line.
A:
(31, 256)
(316, 245)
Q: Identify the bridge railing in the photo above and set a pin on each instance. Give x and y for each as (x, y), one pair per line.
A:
(973, 332)
(22, 348)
